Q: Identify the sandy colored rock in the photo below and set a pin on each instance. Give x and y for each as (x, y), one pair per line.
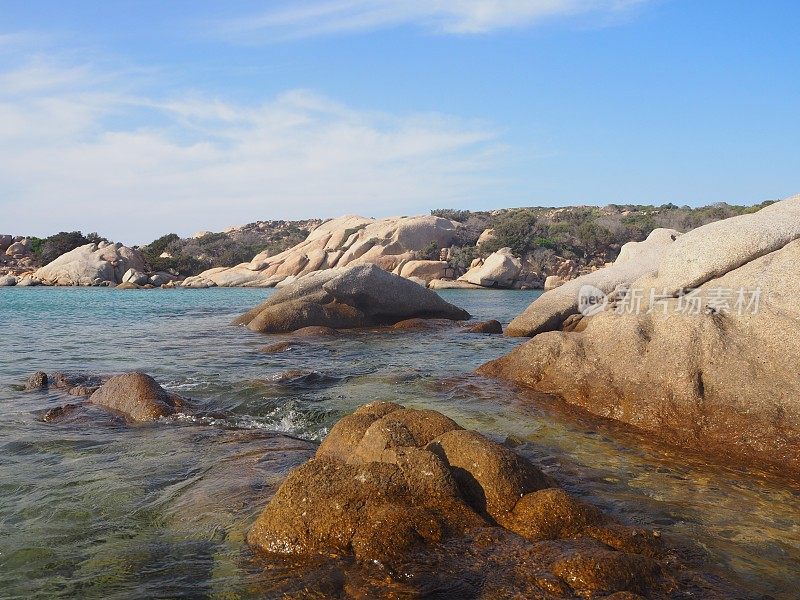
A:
(8, 280)
(138, 397)
(426, 270)
(693, 373)
(337, 244)
(549, 310)
(500, 269)
(552, 282)
(452, 284)
(361, 296)
(91, 264)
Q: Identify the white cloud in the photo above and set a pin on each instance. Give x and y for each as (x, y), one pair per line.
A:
(133, 166)
(301, 19)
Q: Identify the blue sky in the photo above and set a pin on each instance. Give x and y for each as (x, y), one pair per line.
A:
(139, 118)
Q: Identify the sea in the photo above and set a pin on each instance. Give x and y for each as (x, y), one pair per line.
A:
(97, 508)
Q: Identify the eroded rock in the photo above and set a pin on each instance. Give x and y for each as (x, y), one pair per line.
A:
(389, 483)
(138, 397)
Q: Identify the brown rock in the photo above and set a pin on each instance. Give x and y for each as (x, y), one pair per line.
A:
(492, 478)
(486, 327)
(137, 396)
(315, 331)
(599, 571)
(37, 381)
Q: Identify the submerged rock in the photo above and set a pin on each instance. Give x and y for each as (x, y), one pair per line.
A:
(359, 296)
(490, 326)
(37, 381)
(390, 483)
(138, 397)
(714, 370)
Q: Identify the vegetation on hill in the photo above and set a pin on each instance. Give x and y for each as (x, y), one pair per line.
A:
(584, 234)
(50, 248)
(190, 256)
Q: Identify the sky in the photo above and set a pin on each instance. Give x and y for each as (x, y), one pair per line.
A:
(143, 117)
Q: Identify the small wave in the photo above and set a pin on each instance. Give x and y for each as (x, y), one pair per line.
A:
(282, 420)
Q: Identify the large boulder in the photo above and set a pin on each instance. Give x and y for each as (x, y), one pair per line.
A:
(5, 241)
(138, 397)
(425, 486)
(359, 296)
(19, 249)
(425, 270)
(500, 269)
(548, 311)
(339, 243)
(7, 280)
(92, 264)
(713, 370)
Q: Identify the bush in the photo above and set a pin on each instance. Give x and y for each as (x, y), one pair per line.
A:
(54, 246)
(451, 213)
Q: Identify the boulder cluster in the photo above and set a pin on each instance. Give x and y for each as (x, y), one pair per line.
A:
(388, 481)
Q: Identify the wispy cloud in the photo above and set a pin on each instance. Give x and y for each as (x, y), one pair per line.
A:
(308, 18)
(133, 166)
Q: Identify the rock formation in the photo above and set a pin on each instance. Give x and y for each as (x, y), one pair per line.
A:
(339, 243)
(137, 396)
(91, 264)
(712, 367)
(498, 270)
(359, 296)
(389, 481)
(550, 310)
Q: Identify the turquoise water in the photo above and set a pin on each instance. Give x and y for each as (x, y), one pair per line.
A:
(96, 508)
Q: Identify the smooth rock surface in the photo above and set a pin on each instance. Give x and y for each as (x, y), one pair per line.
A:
(500, 269)
(337, 244)
(91, 264)
(138, 397)
(549, 310)
(360, 296)
(716, 374)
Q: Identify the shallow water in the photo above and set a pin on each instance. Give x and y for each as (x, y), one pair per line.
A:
(100, 509)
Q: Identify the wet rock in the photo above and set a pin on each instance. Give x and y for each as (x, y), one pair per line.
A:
(128, 285)
(278, 347)
(59, 412)
(376, 490)
(315, 331)
(37, 381)
(493, 327)
(422, 324)
(492, 477)
(138, 397)
(358, 296)
(591, 572)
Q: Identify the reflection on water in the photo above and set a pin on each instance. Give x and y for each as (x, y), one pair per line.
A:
(95, 508)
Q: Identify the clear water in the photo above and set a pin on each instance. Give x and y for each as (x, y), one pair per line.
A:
(97, 509)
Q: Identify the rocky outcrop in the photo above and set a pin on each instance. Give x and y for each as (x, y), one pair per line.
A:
(389, 481)
(425, 270)
(138, 397)
(713, 369)
(8, 280)
(552, 282)
(636, 260)
(339, 243)
(92, 264)
(360, 296)
(499, 270)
